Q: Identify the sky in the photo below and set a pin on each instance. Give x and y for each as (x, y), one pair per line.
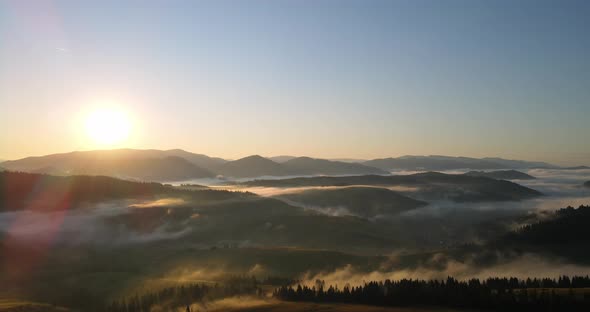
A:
(333, 79)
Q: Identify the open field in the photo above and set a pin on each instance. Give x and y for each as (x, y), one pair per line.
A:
(14, 305)
(260, 305)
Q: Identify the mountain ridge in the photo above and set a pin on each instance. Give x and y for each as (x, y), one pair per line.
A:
(502, 174)
(198, 166)
(438, 162)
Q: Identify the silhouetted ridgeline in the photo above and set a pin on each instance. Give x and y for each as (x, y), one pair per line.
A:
(493, 293)
(177, 165)
(502, 174)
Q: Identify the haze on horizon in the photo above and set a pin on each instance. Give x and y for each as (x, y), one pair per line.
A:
(329, 79)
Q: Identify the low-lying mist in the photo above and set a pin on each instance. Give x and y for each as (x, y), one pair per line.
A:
(439, 266)
(89, 224)
(561, 187)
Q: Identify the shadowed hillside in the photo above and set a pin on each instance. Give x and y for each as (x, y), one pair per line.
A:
(252, 166)
(365, 202)
(430, 185)
(502, 175)
(311, 166)
(565, 233)
(20, 190)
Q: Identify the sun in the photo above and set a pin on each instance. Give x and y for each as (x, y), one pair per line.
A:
(108, 127)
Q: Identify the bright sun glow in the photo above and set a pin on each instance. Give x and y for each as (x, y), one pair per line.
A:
(107, 127)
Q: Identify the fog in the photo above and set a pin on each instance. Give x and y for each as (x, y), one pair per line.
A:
(440, 267)
(561, 188)
(88, 224)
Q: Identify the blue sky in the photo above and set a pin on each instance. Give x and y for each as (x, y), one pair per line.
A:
(360, 79)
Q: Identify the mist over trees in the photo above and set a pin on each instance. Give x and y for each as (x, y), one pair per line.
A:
(186, 295)
(20, 190)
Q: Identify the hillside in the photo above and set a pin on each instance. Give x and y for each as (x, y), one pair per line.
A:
(200, 160)
(436, 162)
(281, 158)
(252, 166)
(519, 164)
(179, 165)
(171, 168)
(502, 175)
(286, 306)
(17, 190)
(425, 186)
(366, 202)
(41, 192)
(566, 233)
(587, 184)
(125, 163)
(313, 166)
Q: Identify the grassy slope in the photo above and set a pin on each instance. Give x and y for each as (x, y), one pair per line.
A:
(9, 305)
(281, 306)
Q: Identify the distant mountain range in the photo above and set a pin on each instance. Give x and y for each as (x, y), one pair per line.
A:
(451, 163)
(252, 166)
(284, 158)
(179, 165)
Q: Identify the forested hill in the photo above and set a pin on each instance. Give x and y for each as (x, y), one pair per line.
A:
(19, 190)
(429, 185)
(502, 174)
(497, 294)
(566, 234)
(567, 226)
(366, 202)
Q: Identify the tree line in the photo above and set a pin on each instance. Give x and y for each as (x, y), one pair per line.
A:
(185, 295)
(505, 294)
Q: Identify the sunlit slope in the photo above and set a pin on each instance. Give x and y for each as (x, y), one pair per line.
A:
(151, 165)
(15, 305)
(261, 305)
